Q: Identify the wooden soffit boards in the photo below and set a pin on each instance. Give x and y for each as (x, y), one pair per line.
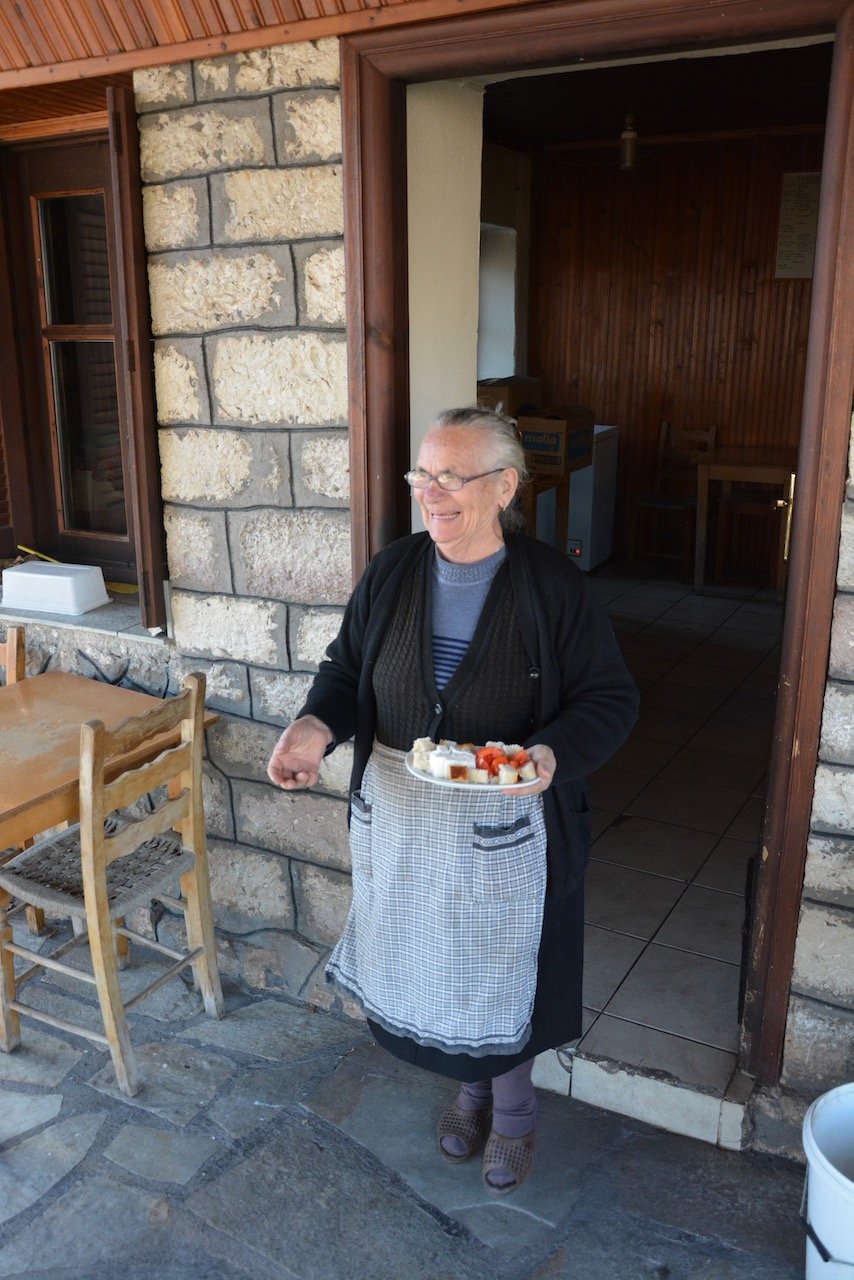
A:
(49, 41)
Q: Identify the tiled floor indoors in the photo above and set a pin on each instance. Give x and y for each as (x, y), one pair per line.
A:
(676, 818)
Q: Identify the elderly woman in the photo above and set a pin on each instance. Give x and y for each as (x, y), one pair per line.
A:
(464, 940)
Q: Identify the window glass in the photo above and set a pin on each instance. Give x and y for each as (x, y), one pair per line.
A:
(87, 422)
(76, 266)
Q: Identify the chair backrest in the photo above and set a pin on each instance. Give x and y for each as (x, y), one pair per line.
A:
(13, 655)
(680, 450)
(162, 748)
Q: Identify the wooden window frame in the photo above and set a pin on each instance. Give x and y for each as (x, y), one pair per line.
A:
(130, 333)
(375, 69)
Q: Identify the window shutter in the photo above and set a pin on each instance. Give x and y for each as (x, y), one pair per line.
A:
(135, 356)
(7, 533)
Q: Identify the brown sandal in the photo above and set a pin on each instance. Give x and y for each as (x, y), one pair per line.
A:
(471, 1126)
(510, 1155)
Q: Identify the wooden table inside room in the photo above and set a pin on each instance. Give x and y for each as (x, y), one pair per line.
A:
(542, 484)
(745, 465)
(40, 721)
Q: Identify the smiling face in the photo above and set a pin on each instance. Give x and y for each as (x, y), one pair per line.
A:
(464, 525)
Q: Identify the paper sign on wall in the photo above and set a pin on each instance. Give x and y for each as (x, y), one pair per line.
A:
(797, 227)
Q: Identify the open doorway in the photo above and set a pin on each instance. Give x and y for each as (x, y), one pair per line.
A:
(660, 292)
(376, 70)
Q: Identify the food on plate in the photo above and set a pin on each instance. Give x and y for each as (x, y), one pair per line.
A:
(450, 761)
(500, 763)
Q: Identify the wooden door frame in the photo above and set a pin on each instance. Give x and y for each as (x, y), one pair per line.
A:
(375, 69)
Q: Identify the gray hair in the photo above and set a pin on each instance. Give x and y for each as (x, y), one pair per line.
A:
(506, 444)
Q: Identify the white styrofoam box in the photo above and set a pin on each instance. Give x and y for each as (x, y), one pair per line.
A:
(54, 588)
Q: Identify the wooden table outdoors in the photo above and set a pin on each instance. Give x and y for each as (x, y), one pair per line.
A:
(40, 721)
(745, 465)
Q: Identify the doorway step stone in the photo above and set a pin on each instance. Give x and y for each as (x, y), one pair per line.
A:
(719, 1118)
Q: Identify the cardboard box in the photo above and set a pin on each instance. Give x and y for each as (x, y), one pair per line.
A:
(558, 444)
(511, 394)
(544, 442)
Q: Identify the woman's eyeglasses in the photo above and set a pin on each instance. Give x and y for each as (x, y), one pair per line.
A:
(448, 480)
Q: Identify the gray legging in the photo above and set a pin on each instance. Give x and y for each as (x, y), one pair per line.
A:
(514, 1102)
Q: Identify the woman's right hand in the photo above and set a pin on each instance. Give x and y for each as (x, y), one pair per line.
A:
(296, 757)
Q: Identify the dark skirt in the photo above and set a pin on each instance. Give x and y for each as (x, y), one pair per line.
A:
(556, 1017)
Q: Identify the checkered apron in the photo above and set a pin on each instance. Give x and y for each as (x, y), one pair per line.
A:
(448, 885)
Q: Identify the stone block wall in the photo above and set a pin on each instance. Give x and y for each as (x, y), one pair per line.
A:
(819, 1051)
(243, 213)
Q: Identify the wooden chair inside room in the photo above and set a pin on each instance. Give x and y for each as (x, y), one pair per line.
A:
(13, 660)
(115, 860)
(662, 521)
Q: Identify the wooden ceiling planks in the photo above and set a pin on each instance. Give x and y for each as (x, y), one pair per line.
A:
(50, 41)
(43, 33)
(76, 99)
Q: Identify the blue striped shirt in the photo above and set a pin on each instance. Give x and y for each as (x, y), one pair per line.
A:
(459, 592)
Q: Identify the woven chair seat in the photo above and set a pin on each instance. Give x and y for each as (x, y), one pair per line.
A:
(49, 874)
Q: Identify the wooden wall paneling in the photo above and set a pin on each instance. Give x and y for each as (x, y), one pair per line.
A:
(653, 295)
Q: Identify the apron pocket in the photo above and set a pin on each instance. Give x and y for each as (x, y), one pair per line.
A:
(360, 834)
(507, 861)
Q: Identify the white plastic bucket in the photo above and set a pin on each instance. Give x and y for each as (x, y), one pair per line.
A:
(828, 1138)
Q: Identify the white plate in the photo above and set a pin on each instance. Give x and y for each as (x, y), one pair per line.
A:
(462, 786)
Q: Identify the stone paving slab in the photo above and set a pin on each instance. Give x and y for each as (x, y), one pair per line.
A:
(617, 1246)
(749, 1203)
(392, 1109)
(174, 1001)
(100, 1220)
(164, 1267)
(309, 1201)
(21, 1112)
(276, 1031)
(260, 1094)
(283, 1144)
(178, 1080)
(160, 1155)
(40, 1059)
(36, 1164)
(73, 1005)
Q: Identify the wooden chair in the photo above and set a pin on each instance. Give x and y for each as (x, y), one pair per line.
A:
(13, 659)
(113, 861)
(13, 655)
(670, 508)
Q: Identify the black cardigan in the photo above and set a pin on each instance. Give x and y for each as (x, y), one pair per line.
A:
(588, 702)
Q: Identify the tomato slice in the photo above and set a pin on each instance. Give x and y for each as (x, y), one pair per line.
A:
(490, 758)
(484, 757)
